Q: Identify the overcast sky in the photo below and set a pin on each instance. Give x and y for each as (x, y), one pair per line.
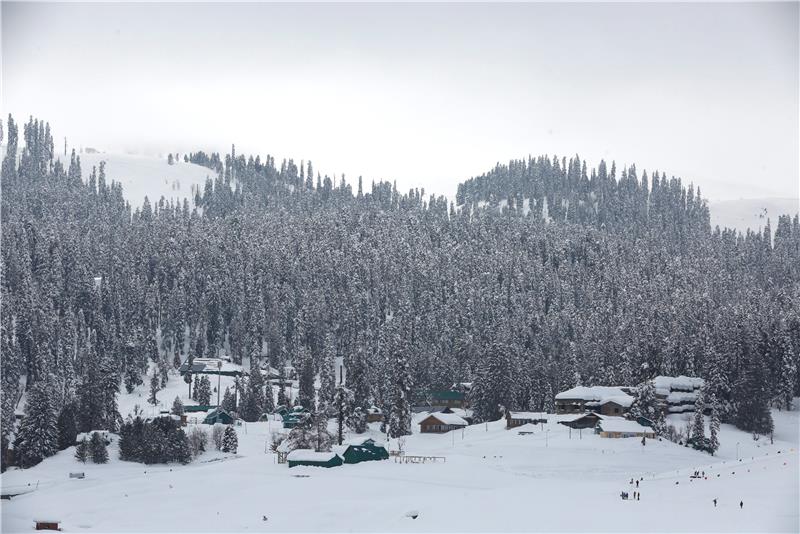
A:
(427, 95)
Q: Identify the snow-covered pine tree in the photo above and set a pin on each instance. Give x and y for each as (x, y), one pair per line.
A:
(228, 402)
(306, 378)
(155, 387)
(753, 394)
(196, 388)
(37, 438)
(323, 440)
(327, 376)
(67, 426)
(82, 450)
(787, 377)
(177, 406)
(713, 428)
(97, 449)
(203, 391)
(230, 442)
(400, 415)
(698, 423)
(495, 386)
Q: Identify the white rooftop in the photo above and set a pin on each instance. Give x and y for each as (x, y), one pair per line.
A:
(308, 455)
(619, 424)
(449, 419)
(528, 415)
(666, 384)
(596, 394)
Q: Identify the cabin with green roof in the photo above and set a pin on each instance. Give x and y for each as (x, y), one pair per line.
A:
(218, 415)
(358, 450)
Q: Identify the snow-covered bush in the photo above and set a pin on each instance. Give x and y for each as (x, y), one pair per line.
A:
(198, 439)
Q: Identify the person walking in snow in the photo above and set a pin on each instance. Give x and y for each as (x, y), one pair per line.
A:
(637, 483)
(741, 505)
(715, 503)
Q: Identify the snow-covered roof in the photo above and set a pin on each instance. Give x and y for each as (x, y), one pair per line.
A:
(361, 441)
(210, 365)
(619, 424)
(623, 400)
(448, 418)
(596, 395)
(308, 455)
(681, 397)
(528, 415)
(666, 384)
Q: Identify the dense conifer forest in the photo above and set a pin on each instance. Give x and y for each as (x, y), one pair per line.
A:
(544, 274)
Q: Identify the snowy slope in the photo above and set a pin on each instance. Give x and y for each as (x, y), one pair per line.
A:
(751, 213)
(148, 176)
(492, 480)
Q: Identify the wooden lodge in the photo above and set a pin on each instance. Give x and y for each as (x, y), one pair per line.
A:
(606, 400)
(617, 427)
(440, 423)
(515, 419)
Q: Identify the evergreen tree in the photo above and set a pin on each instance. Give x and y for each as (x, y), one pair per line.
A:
(714, 426)
(38, 434)
(698, 425)
(177, 406)
(230, 442)
(228, 402)
(97, 449)
(82, 450)
(67, 427)
(155, 386)
(203, 391)
(494, 388)
(753, 392)
(400, 416)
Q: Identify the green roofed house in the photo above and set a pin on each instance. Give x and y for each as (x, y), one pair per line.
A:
(218, 415)
(197, 408)
(210, 366)
(358, 450)
(438, 400)
(314, 459)
(293, 418)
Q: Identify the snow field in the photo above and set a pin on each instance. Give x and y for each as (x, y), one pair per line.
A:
(492, 480)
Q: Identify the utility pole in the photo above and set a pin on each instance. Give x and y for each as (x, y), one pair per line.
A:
(219, 377)
(340, 395)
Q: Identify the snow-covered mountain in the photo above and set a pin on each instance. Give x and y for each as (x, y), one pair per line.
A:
(751, 212)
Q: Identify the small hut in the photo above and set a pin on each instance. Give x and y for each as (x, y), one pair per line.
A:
(515, 419)
(374, 415)
(218, 415)
(47, 524)
(358, 450)
(313, 458)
